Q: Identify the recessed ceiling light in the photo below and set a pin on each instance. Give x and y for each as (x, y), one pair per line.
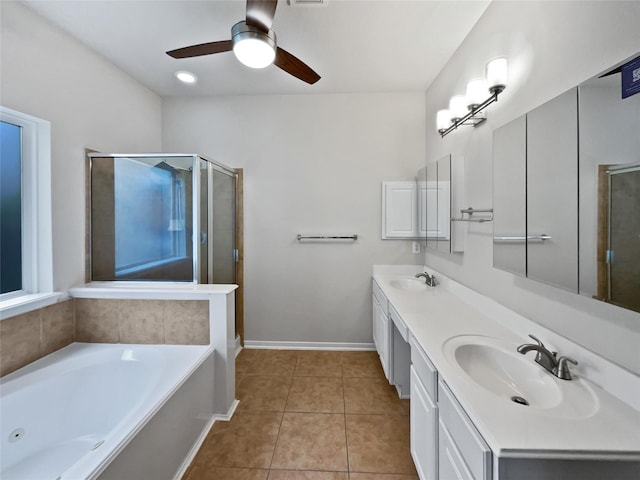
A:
(186, 77)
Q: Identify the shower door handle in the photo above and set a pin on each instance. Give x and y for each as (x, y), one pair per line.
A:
(203, 238)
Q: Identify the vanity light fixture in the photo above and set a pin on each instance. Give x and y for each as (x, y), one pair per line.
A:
(186, 77)
(468, 109)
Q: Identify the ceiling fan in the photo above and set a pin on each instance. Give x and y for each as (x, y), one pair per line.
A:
(254, 44)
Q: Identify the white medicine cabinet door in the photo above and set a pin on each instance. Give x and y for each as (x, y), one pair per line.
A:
(444, 197)
(552, 201)
(399, 210)
(509, 197)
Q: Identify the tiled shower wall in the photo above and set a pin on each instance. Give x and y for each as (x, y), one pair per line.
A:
(30, 336)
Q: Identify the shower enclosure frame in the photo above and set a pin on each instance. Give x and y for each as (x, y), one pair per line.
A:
(197, 224)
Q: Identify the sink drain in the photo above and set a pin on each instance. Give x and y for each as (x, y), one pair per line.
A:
(519, 400)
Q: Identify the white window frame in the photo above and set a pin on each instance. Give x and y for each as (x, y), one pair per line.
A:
(37, 245)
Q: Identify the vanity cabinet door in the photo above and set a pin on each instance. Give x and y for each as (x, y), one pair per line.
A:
(424, 430)
(376, 309)
(552, 192)
(451, 466)
(381, 336)
(385, 345)
(460, 443)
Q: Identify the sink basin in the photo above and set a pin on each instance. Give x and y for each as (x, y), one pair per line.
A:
(415, 284)
(496, 366)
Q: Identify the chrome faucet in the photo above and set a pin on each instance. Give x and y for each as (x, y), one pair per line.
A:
(430, 280)
(549, 360)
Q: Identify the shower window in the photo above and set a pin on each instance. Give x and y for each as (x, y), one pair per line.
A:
(150, 233)
(142, 218)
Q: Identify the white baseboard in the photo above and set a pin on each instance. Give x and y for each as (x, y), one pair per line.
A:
(259, 344)
(203, 435)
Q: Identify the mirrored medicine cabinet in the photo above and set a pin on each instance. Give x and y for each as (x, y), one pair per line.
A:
(566, 179)
(443, 197)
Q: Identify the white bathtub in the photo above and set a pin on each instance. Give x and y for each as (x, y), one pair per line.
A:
(73, 414)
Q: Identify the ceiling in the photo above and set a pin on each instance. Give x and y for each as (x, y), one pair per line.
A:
(355, 45)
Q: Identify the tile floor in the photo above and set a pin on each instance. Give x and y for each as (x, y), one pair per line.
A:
(309, 415)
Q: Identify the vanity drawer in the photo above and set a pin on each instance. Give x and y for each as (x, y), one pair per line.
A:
(425, 370)
(400, 325)
(468, 442)
(381, 297)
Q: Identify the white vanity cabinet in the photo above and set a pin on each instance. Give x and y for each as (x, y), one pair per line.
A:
(445, 445)
(382, 331)
(424, 414)
(462, 452)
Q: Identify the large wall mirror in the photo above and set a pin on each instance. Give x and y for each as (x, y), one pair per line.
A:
(609, 186)
(444, 197)
(567, 191)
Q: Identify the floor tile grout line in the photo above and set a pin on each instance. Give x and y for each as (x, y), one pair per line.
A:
(275, 447)
(344, 406)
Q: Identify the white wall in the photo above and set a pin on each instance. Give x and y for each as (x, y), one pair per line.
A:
(90, 104)
(312, 164)
(551, 46)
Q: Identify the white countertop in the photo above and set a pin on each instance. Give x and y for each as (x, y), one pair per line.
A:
(150, 290)
(437, 314)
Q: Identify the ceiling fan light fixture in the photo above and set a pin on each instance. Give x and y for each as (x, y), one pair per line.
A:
(252, 47)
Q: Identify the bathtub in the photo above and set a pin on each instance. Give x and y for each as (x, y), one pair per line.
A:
(112, 411)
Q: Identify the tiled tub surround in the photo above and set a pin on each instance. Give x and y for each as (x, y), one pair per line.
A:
(176, 322)
(164, 312)
(96, 410)
(27, 337)
(30, 336)
(435, 315)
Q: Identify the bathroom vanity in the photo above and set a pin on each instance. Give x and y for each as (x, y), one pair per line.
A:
(468, 386)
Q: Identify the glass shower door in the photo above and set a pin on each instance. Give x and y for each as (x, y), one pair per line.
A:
(624, 238)
(222, 252)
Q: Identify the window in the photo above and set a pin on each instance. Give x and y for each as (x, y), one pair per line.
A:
(149, 215)
(10, 208)
(141, 218)
(26, 278)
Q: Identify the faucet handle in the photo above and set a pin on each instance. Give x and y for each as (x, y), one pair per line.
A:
(536, 339)
(562, 370)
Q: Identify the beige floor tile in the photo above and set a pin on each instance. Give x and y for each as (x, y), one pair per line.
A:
(244, 361)
(311, 441)
(316, 394)
(406, 405)
(361, 364)
(371, 396)
(221, 473)
(306, 475)
(381, 476)
(379, 444)
(272, 362)
(247, 440)
(318, 364)
(263, 393)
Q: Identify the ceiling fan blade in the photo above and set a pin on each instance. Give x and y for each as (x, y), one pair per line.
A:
(202, 49)
(295, 67)
(260, 13)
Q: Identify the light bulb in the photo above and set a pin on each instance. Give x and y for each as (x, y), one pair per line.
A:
(497, 75)
(443, 120)
(254, 52)
(458, 107)
(476, 92)
(186, 77)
